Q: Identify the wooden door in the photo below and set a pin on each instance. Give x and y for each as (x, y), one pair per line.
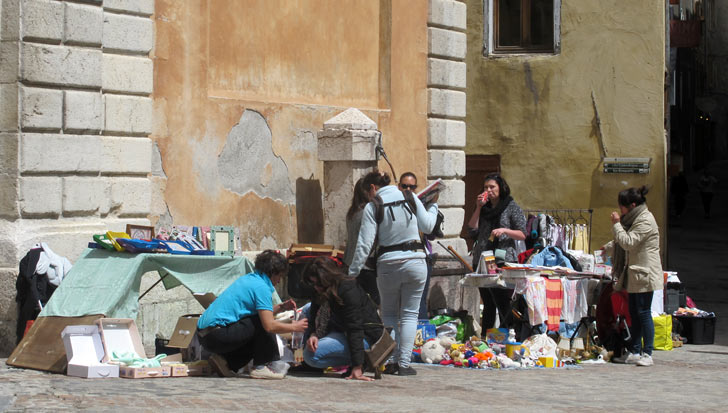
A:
(476, 169)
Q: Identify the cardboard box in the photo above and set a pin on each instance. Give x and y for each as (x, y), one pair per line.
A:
(144, 372)
(120, 335)
(85, 351)
(198, 368)
(184, 337)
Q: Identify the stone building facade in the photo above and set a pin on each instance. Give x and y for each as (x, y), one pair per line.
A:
(202, 112)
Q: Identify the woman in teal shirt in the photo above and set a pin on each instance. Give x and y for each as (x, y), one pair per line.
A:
(239, 325)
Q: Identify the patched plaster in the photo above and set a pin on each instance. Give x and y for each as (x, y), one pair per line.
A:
(248, 163)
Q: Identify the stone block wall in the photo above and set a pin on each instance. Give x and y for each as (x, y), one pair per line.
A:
(75, 115)
(446, 82)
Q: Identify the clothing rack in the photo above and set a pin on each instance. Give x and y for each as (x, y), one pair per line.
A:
(567, 216)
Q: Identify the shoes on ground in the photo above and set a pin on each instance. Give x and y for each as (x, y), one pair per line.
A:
(406, 371)
(265, 372)
(627, 358)
(645, 361)
(392, 368)
(220, 365)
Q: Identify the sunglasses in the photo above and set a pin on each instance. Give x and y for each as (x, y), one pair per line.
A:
(410, 187)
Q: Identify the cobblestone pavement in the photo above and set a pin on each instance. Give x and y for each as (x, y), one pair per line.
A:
(691, 378)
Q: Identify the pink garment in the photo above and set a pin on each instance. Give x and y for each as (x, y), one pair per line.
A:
(535, 294)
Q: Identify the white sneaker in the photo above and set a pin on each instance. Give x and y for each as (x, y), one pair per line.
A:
(627, 358)
(645, 361)
(265, 373)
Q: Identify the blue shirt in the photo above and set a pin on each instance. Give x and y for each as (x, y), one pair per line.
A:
(244, 297)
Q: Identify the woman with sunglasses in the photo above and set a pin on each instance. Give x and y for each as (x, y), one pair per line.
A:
(401, 269)
(497, 223)
(408, 182)
(354, 323)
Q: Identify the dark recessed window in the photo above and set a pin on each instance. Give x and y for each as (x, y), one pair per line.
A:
(523, 26)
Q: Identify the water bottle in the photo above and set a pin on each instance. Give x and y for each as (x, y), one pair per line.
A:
(297, 337)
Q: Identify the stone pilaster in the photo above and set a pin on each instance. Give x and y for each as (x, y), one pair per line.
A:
(75, 115)
(446, 82)
(346, 145)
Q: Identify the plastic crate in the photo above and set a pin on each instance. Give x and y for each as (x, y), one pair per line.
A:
(698, 330)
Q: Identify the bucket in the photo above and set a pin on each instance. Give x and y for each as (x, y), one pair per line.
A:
(515, 348)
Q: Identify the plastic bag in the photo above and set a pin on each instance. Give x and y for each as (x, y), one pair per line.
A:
(541, 345)
(663, 332)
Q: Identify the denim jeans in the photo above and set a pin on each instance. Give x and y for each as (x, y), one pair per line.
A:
(332, 351)
(401, 283)
(642, 328)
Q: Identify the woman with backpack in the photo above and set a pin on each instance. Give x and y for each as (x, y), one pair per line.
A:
(636, 266)
(395, 219)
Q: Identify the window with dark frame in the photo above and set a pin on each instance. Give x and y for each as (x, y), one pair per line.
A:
(523, 26)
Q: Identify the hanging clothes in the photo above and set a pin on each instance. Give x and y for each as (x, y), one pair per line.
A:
(554, 302)
(570, 297)
(534, 292)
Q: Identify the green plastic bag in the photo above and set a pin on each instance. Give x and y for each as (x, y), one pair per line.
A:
(663, 332)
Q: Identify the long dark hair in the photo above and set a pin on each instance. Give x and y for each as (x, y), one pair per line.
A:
(328, 274)
(359, 200)
(504, 191)
(634, 196)
(375, 178)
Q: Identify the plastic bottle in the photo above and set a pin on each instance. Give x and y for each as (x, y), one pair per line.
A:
(297, 337)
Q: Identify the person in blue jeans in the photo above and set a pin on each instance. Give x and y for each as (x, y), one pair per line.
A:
(345, 319)
(396, 222)
(636, 266)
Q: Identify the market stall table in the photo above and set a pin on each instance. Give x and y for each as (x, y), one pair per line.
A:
(106, 284)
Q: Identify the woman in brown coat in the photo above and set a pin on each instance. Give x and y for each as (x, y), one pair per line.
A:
(636, 266)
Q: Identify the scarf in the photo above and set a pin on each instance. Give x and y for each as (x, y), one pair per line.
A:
(619, 260)
(492, 216)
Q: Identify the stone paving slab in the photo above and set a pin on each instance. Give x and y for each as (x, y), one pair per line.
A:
(691, 378)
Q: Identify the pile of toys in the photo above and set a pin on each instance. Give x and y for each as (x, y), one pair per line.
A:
(497, 350)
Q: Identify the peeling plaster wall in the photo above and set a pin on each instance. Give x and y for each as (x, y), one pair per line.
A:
(237, 108)
(537, 111)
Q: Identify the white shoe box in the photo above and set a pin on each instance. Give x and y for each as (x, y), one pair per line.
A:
(84, 353)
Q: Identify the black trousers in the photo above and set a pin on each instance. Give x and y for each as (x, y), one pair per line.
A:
(493, 298)
(367, 279)
(240, 342)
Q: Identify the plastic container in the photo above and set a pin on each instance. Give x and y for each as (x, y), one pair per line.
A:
(698, 330)
(297, 336)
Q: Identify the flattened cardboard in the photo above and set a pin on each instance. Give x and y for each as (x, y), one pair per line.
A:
(204, 299)
(84, 352)
(42, 347)
(184, 331)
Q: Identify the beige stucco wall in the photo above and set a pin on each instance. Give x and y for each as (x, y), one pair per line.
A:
(291, 66)
(537, 111)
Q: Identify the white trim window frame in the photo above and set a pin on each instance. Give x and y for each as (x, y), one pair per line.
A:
(489, 49)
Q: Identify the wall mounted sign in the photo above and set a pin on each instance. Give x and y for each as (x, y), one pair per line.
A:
(626, 165)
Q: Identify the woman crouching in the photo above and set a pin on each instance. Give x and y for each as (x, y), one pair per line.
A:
(354, 323)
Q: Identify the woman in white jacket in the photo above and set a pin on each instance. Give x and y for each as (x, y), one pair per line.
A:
(401, 269)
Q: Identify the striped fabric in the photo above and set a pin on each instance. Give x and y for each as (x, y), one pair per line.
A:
(554, 302)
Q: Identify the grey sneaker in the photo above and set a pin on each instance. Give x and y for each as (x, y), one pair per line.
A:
(627, 358)
(264, 372)
(645, 361)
